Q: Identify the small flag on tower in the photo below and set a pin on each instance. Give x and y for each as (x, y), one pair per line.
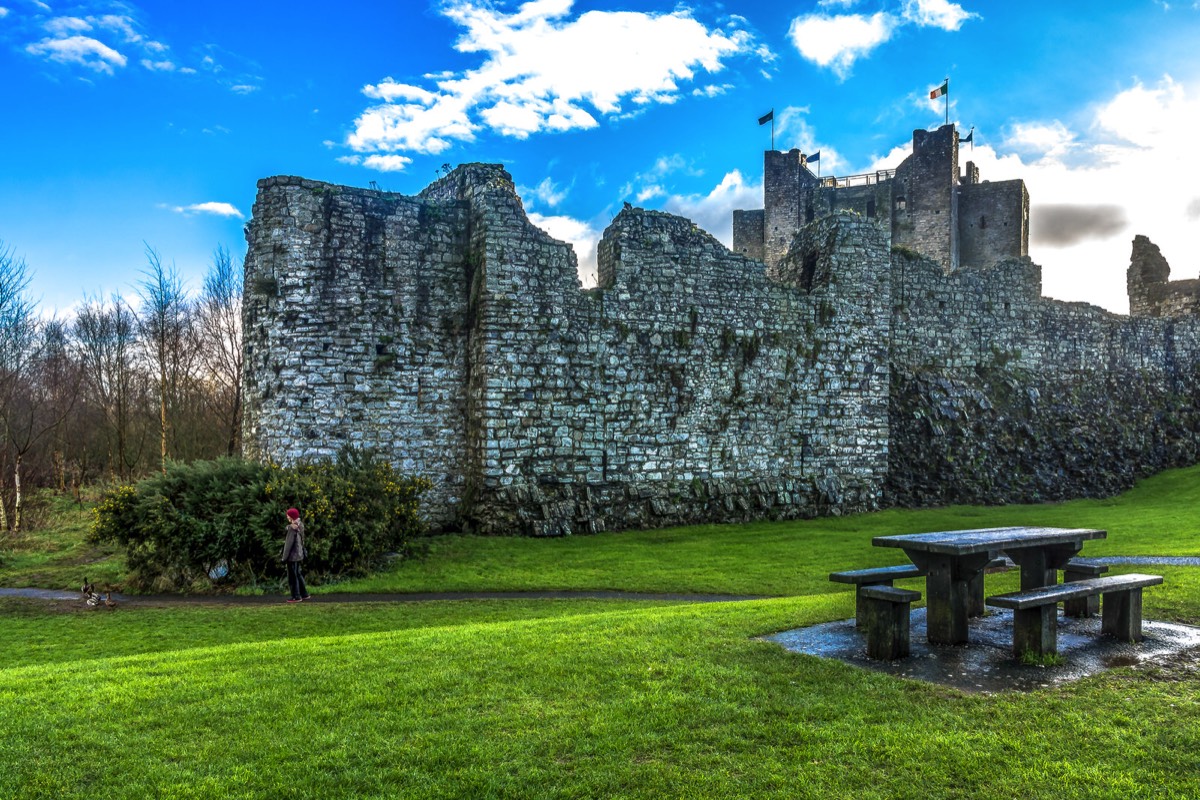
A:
(770, 115)
(813, 157)
(970, 137)
(941, 90)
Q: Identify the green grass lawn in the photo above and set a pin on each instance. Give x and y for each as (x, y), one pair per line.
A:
(586, 698)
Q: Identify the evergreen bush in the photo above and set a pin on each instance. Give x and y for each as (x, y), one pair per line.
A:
(222, 521)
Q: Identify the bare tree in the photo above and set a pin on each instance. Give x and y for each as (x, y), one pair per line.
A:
(46, 393)
(18, 334)
(219, 328)
(165, 326)
(107, 342)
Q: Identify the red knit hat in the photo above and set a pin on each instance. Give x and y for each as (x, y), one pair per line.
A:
(293, 513)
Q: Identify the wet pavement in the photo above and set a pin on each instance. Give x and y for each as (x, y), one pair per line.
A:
(986, 664)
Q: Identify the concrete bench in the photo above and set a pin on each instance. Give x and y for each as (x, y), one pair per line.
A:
(1080, 570)
(877, 576)
(883, 576)
(1035, 612)
(887, 620)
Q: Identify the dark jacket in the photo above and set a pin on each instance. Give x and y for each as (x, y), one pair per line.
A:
(293, 545)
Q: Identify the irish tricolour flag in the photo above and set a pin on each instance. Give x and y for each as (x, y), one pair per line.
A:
(941, 90)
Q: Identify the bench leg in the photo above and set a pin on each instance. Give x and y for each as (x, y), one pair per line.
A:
(1082, 606)
(1035, 630)
(975, 596)
(860, 604)
(1123, 615)
(887, 630)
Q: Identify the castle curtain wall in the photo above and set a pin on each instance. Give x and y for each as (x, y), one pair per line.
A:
(999, 395)
(694, 385)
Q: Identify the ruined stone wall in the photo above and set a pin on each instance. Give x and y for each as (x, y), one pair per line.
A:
(871, 201)
(993, 223)
(694, 388)
(355, 315)
(694, 384)
(452, 334)
(999, 395)
(1152, 293)
(748, 234)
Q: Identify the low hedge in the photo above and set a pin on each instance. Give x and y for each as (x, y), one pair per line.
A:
(222, 522)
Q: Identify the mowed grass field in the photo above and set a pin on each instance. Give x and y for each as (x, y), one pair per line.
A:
(584, 698)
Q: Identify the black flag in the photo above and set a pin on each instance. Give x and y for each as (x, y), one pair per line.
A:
(770, 115)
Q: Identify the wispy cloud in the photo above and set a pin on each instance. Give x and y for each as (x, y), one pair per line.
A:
(213, 208)
(544, 70)
(81, 50)
(3, 12)
(104, 43)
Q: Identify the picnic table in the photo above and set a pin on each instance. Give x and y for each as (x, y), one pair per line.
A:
(953, 561)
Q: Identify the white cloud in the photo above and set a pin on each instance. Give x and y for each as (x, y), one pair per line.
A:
(936, 13)
(543, 71)
(714, 211)
(3, 12)
(158, 66)
(546, 192)
(650, 192)
(243, 88)
(582, 236)
(118, 24)
(81, 50)
(216, 209)
(66, 26)
(1041, 140)
(1092, 190)
(386, 163)
(838, 41)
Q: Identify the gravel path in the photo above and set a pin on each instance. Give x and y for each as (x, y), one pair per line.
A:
(418, 597)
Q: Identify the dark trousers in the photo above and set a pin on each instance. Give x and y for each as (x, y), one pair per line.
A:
(296, 580)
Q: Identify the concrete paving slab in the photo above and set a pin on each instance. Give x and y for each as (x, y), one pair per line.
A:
(986, 663)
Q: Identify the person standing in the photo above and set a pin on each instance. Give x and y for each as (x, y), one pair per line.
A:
(293, 554)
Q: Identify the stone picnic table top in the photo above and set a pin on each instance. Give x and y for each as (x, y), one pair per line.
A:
(987, 540)
(954, 561)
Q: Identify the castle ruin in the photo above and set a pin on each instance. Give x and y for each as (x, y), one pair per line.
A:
(852, 361)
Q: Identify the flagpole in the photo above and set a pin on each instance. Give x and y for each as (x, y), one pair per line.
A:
(772, 129)
(947, 99)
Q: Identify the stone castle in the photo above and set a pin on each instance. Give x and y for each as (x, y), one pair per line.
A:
(926, 204)
(872, 342)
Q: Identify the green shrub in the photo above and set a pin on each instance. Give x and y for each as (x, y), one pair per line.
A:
(225, 518)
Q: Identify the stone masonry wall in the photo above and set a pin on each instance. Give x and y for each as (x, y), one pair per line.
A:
(355, 319)
(694, 384)
(993, 223)
(1152, 293)
(999, 395)
(450, 333)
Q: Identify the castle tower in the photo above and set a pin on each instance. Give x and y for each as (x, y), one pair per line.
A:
(925, 200)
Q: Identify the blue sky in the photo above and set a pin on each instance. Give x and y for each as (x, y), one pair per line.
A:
(129, 124)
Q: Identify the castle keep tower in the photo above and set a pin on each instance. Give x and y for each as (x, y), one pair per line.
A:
(925, 203)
